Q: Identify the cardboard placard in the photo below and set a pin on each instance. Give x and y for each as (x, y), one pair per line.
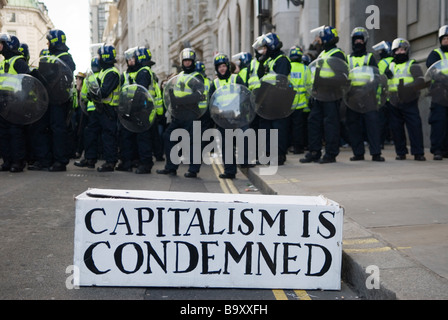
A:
(171, 239)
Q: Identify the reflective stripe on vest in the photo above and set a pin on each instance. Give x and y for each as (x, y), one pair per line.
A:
(298, 79)
(114, 97)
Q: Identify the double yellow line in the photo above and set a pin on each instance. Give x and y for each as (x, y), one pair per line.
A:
(228, 187)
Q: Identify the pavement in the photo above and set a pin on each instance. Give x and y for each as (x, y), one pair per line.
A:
(395, 224)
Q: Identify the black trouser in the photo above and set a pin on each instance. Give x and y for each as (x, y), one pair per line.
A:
(356, 122)
(407, 114)
(102, 124)
(324, 124)
(438, 119)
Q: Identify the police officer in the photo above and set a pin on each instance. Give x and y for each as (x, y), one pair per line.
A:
(12, 136)
(183, 98)
(324, 119)
(356, 122)
(438, 118)
(105, 114)
(406, 82)
(91, 133)
(59, 113)
(273, 60)
(383, 49)
(131, 143)
(225, 77)
(298, 119)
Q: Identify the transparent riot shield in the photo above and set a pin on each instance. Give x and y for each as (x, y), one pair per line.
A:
(403, 88)
(23, 99)
(91, 91)
(437, 77)
(59, 78)
(184, 97)
(275, 97)
(136, 110)
(328, 79)
(367, 89)
(232, 106)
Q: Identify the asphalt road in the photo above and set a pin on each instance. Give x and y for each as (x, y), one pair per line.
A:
(37, 214)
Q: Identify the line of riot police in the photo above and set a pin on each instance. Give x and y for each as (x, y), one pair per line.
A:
(309, 103)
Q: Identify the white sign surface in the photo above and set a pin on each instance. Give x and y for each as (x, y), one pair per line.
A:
(164, 239)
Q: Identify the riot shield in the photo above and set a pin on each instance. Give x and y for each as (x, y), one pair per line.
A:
(93, 91)
(232, 106)
(59, 78)
(136, 110)
(367, 89)
(437, 77)
(328, 79)
(275, 97)
(23, 99)
(93, 86)
(184, 97)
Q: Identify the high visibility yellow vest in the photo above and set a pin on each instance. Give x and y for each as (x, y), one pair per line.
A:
(298, 79)
(84, 91)
(362, 78)
(7, 67)
(114, 97)
(154, 89)
(401, 72)
(183, 89)
(326, 71)
(224, 84)
(250, 75)
(384, 64)
(444, 58)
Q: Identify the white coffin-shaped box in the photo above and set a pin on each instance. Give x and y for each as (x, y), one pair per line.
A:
(171, 239)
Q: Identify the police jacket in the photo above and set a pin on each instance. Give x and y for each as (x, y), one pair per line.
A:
(111, 81)
(14, 61)
(282, 64)
(65, 57)
(436, 55)
(218, 82)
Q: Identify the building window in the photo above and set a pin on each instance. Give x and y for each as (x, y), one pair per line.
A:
(11, 17)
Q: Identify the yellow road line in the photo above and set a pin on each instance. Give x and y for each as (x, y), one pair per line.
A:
(369, 250)
(302, 295)
(351, 242)
(280, 295)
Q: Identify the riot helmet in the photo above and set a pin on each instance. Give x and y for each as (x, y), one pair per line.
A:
(328, 35)
(25, 51)
(107, 55)
(95, 65)
(44, 53)
(10, 43)
(56, 40)
(295, 54)
(200, 67)
(271, 42)
(242, 59)
(362, 34)
(404, 44)
(144, 56)
(190, 55)
(443, 31)
(219, 60)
